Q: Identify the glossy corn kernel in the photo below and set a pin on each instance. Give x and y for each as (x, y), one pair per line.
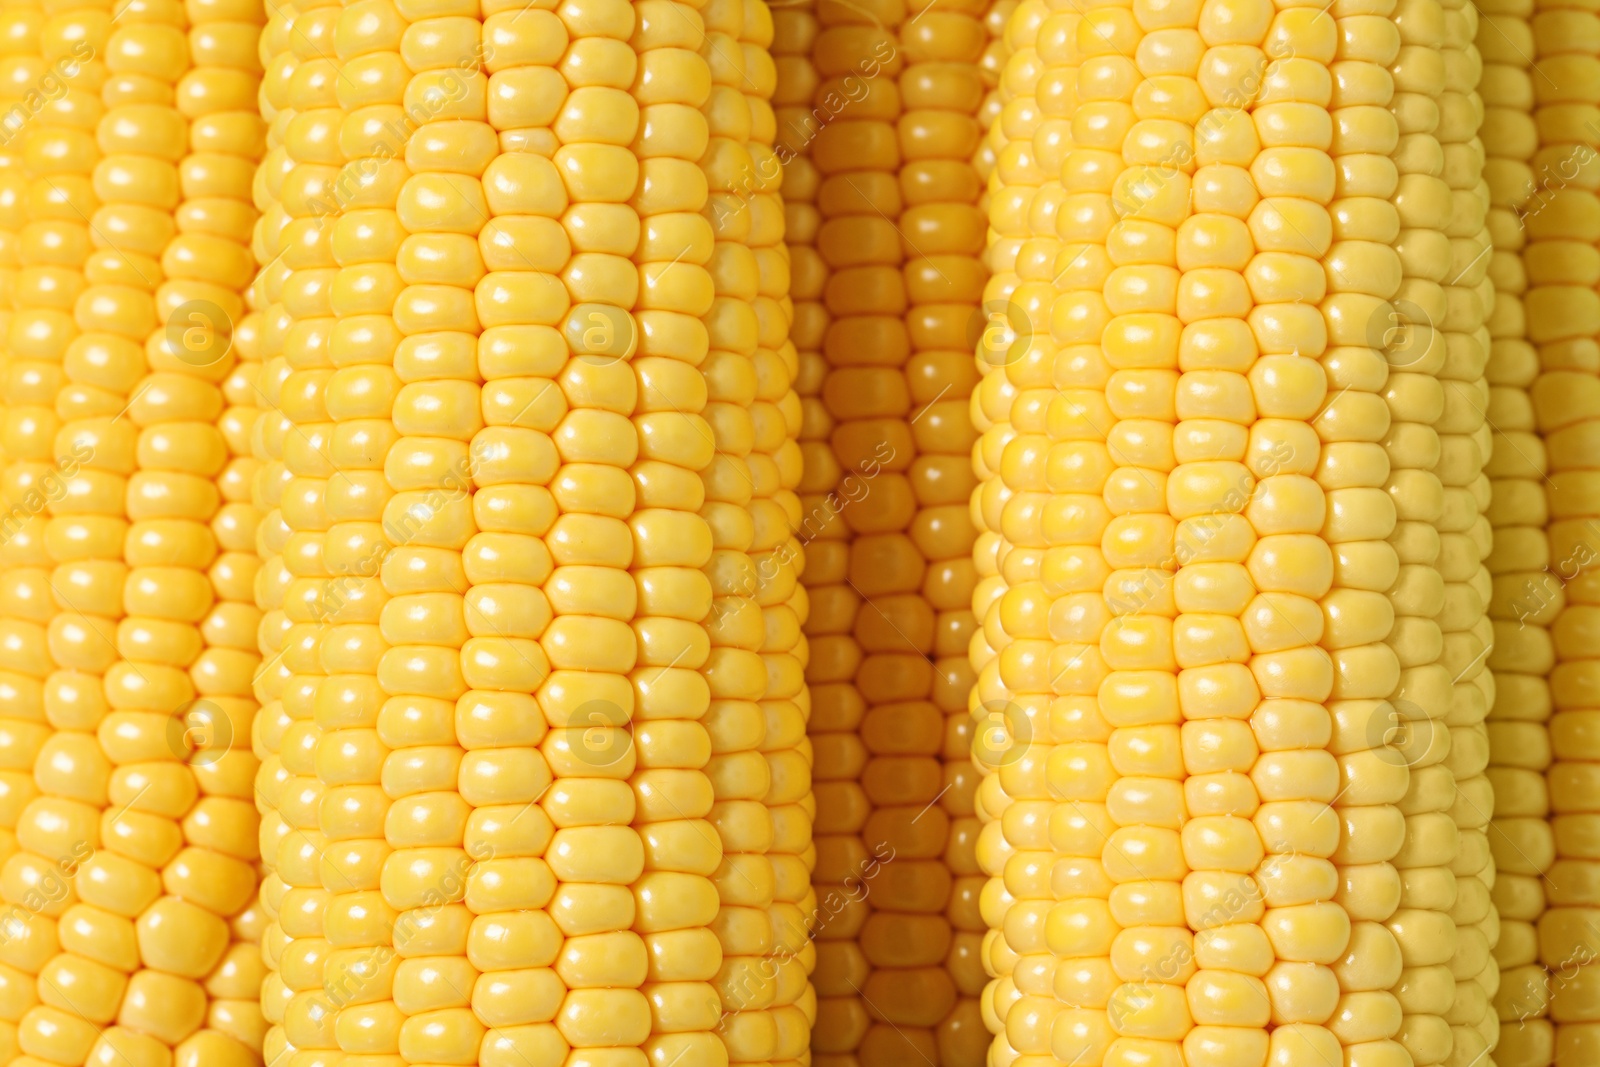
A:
(1563, 323)
(1526, 594)
(891, 133)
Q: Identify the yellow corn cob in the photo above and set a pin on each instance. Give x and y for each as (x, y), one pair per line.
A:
(27, 604)
(1465, 537)
(1526, 594)
(260, 338)
(835, 706)
(1209, 903)
(1012, 191)
(841, 39)
(1563, 314)
(461, 498)
(895, 133)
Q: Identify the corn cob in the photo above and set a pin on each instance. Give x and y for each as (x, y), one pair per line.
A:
(27, 604)
(1012, 189)
(260, 338)
(859, 125)
(1563, 313)
(1526, 594)
(1465, 536)
(901, 239)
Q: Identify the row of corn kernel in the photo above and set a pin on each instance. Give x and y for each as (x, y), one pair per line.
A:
(1465, 533)
(738, 771)
(777, 556)
(260, 338)
(1526, 592)
(691, 720)
(1255, 738)
(115, 162)
(743, 216)
(1125, 200)
(460, 661)
(684, 695)
(1049, 715)
(1422, 924)
(1563, 315)
(855, 154)
(27, 603)
(210, 265)
(998, 738)
(1363, 276)
(507, 194)
(369, 790)
(295, 1000)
